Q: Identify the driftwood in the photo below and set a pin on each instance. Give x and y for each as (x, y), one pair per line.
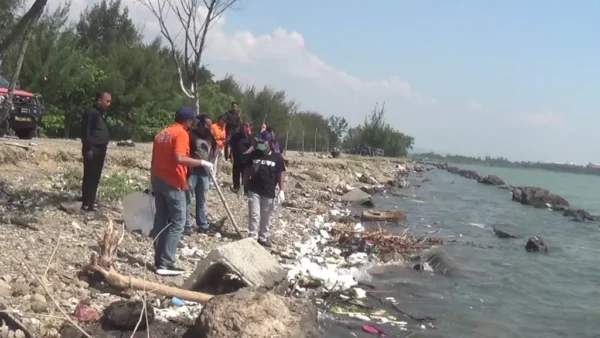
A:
(14, 144)
(103, 266)
(229, 213)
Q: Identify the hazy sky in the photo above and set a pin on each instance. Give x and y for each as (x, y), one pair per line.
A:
(501, 78)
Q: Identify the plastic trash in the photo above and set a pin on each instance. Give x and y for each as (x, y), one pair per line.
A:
(176, 302)
(138, 212)
(372, 329)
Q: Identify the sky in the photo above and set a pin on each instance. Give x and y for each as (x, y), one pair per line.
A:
(516, 79)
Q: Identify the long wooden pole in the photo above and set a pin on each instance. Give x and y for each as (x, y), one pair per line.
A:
(229, 213)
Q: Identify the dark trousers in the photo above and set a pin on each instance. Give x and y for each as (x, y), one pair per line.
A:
(92, 171)
(237, 172)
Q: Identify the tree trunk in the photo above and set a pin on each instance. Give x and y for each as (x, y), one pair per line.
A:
(8, 103)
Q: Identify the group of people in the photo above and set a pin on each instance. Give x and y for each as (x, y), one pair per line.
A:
(186, 156)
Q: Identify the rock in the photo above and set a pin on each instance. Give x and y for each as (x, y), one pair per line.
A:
(357, 196)
(470, 174)
(364, 178)
(298, 185)
(247, 313)
(536, 244)
(20, 289)
(579, 215)
(19, 334)
(538, 197)
(502, 233)
(38, 303)
(124, 315)
(245, 258)
(72, 208)
(128, 143)
(492, 180)
(5, 289)
(317, 176)
(300, 177)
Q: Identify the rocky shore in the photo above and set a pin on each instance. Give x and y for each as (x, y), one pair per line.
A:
(322, 235)
(527, 195)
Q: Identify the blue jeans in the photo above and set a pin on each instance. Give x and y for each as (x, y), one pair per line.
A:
(198, 186)
(170, 207)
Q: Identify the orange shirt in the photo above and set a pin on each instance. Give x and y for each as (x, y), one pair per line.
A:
(218, 133)
(170, 141)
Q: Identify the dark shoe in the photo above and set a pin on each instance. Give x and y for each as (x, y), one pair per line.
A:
(207, 231)
(86, 208)
(187, 232)
(264, 243)
(169, 271)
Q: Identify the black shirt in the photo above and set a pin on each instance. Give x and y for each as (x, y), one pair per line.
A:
(199, 150)
(266, 169)
(232, 123)
(94, 129)
(239, 143)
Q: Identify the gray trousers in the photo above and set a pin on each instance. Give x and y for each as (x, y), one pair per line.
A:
(260, 209)
(171, 212)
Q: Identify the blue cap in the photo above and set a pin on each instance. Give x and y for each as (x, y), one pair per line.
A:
(185, 113)
(265, 136)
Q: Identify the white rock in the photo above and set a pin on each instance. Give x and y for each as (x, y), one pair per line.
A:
(359, 227)
(359, 293)
(358, 258)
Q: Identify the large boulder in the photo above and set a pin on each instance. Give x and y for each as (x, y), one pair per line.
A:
(254, 314)
(539, 198)
(357, 196)
(492, 180)
(470, 174)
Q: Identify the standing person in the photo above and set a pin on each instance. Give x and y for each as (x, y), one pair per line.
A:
(169, 167)
(274, 144)
(233, 121)
(267, 171)
(198, 178)
(94, 140)
(239, 143)
(219, 136)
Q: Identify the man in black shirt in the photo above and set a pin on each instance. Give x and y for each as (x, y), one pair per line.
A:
(232, 125)
(239, 143)
(94, 139)
(267, 171)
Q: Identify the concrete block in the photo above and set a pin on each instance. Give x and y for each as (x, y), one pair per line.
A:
(246, 258)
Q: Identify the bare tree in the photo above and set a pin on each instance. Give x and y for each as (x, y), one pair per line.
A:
(194, 26)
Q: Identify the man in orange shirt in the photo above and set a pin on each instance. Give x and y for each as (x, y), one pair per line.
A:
(218, 133)
(170, 162)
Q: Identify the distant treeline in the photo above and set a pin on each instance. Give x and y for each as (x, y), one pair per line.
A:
(505, 163)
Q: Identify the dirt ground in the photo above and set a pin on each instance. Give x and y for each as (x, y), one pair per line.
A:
(36, 176)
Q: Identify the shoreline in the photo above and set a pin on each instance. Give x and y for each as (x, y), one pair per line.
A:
(47, 173)
(527, 195)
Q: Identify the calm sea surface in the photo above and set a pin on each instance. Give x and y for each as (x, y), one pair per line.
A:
(495, 288)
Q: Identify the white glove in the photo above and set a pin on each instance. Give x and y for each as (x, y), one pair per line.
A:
(240, 193)
(280, 197)
(207, 165)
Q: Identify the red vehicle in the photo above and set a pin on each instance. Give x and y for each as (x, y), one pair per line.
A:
(26, 114)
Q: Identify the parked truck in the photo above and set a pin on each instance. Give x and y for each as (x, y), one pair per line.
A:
(25, 115)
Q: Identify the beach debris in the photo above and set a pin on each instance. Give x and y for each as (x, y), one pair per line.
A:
(382, 216)
(383, 241)
(373, 330)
